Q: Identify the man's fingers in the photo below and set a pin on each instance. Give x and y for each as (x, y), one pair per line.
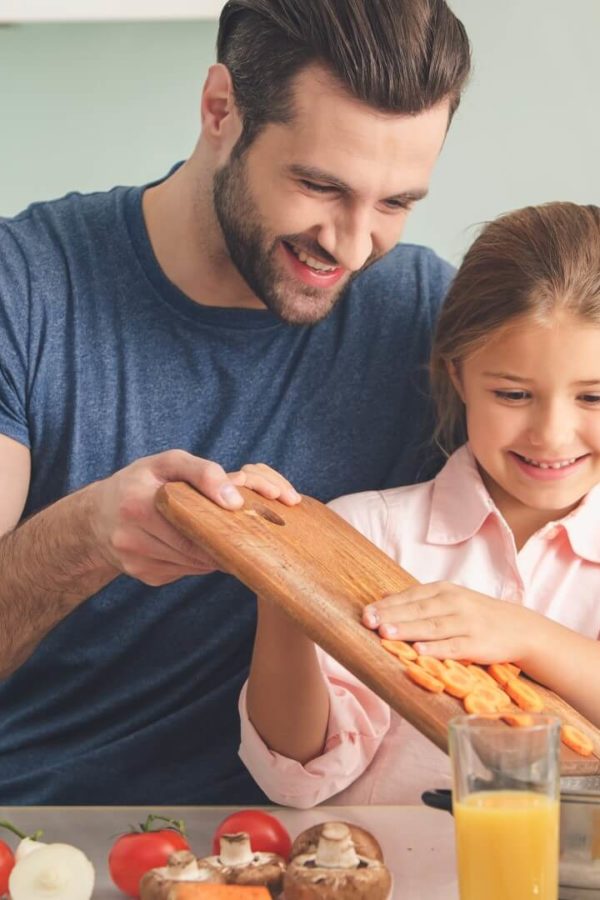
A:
(206, 476)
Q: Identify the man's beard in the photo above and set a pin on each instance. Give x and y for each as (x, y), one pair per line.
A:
(254, 254)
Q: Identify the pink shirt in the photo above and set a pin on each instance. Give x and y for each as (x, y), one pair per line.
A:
(447, 529)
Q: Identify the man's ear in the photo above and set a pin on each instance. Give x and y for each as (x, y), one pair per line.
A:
(454, 375)
(221, 123)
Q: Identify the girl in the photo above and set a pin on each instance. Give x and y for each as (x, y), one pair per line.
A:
(506, 539)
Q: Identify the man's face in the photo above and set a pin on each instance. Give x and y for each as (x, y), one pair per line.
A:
(312, 203)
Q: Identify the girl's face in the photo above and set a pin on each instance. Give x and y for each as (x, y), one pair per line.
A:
(532, 397)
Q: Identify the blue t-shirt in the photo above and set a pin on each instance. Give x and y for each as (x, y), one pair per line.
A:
(132, 699)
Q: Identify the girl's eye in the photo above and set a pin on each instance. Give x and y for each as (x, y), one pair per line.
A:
(592, 399)
(513, 396)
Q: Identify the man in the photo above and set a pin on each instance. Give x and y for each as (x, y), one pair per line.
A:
(224, 310)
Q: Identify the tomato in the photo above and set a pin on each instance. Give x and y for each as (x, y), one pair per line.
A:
(134, 853)
(267, 834)
(7, 861)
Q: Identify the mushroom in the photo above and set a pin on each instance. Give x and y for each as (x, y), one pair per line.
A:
(238, 864)
(335, 871)
(182, 868)
(364, 842)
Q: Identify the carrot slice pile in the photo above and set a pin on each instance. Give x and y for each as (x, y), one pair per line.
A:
(576, 740)
(524, 695)
(501, 673)
(517, 719)
(478, 703)
(400, 649)
(458, 682)
(482, 676)
(434, 666)
(423, 678)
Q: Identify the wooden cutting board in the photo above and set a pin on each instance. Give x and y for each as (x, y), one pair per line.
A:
(322, 572)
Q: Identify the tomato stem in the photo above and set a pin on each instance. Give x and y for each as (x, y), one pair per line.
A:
(174, 824)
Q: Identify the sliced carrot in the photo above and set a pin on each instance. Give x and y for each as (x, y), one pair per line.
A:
(196, 891)
(423, 678)
(482, 675)
(517, 719)
(576, 740)
(478, 704)
(513, 668)
(455, 664)
(500, 673)
(524, 695)
(434, 666)
(457, 682)
(400, 649)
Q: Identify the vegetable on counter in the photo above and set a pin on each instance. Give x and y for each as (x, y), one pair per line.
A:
(266, 832)
(147, 847)
(52, 872)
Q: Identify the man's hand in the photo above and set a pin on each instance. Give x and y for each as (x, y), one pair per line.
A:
(451, 622)
(135, 539)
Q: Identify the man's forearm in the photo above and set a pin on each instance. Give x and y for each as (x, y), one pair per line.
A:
(48, 565)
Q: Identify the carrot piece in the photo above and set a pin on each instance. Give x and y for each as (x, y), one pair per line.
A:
(198, 891)
(501, 673)
(477, 703)
(513, 668)
(517, 719)
(434, 666)
(400, 649)
(576, 740)
(458, 682)
(524, 695)
(423, 678)
(482, 676)
(456, 664)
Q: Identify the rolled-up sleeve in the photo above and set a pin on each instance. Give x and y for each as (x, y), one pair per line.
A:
(358, 722)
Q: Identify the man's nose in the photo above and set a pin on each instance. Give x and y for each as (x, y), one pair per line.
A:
(348, 239)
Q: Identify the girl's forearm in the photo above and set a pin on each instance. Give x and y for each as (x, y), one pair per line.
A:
(569, 664)
(287, 698)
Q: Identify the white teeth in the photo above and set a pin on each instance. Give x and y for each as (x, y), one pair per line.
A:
(557, 465)
(311, 261)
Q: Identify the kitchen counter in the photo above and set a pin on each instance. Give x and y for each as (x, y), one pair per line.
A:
(417, 842)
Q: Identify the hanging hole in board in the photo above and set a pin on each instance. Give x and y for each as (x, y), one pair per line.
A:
(265, 513)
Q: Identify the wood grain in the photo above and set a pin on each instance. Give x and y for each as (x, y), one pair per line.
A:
(321, 571)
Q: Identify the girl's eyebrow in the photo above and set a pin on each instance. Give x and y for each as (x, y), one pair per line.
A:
(508, 377)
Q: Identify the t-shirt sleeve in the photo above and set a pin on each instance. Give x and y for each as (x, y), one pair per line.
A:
(358, 722)
(14, 335)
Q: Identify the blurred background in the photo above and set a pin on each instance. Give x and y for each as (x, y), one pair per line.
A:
(87, 105)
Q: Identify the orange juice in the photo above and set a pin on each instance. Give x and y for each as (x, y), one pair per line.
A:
(507, 846)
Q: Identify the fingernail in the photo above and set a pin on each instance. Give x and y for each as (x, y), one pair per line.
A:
(389, 631)
(231, 497)
(370, 617)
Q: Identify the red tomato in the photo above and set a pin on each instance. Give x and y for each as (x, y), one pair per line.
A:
(267, 834)
(7, 861)
(134, 853)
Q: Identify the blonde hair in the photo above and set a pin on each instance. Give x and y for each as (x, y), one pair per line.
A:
(528, 263)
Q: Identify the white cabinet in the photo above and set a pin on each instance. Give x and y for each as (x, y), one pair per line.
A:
(107, 10)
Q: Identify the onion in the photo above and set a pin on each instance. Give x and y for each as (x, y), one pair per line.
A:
(57, 871)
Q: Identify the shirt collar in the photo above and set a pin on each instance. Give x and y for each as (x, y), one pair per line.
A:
(461, 504)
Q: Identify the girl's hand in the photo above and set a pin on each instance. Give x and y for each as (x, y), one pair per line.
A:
(452, 622)
(266, 481)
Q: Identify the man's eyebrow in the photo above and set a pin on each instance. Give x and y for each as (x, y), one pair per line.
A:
(313, 173)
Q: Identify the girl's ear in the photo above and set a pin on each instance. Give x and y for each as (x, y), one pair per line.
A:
(454, 374)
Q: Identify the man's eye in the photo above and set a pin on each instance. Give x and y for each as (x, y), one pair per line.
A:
(512, 395)
(317, 188)
(399, 204)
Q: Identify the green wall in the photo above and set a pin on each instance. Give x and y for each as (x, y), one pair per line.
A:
(89, 106)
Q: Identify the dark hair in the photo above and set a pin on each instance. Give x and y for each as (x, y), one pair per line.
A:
(401, 56)
(528, 264)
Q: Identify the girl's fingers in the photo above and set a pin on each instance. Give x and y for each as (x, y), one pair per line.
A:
(435, 628)
(452, 648)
